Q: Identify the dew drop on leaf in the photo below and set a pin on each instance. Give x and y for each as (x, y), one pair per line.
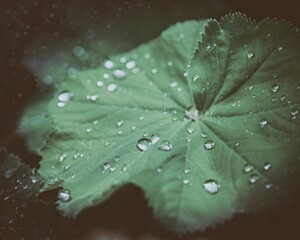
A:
(275, 88)
(209, 144)
(268, 185)
(267, 166)
(248, 168)
(186, 181)
(166, 146)
(263, 123)
(211, 186)
(108, 64)
(116, 158)
(64, 195)
(112, 87)
(190, 130)
(253, 178)
(100, 83)
(143, 144)
(64, 96)
(154, 138)
(120, 123)
(250, 55)
(130, 64)
(192, 113)
(119, 74)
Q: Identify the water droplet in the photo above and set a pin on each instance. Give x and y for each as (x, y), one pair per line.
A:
(188, 139)
(268, 186)
(195, 77)
(112, 168)
(282, 98)
(165, 146)
(154, 70)
(112, 87)
(143, 144)
(170, 63)
(186, 181)
(106, 166)
(263, 123)
(154, 138)
(253, 178)
(267, 166)
(294, 113)
(275, 88)
(209, 144)
(108, 64)
(141, 118)
(119, 74)
(280, 48)
(9, 172)
(64, 195)
(248, 168)
(211, 186)
(62, 157)
(116, 158)
(173, 84)
(159, 169)
(120, 123)
(187, 171)
(64, 96)
(78, 51)
(130, 64)
(204, 134)
(100, 83)
(88, 130)
(250, 55)
(190, 130)
(192, 113)
(72, 72)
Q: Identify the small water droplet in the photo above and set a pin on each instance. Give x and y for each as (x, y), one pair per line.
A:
(253, 178)
(185, 181)
(120, 123)
(170, 63)
(211, 186)
(64, 96)
(141, 118)
(275, 88)
(187, 171)
(203, 134)
(294, 113)
(100, 83)
(108, 64)
(120, 74)
(165, 146)
(130, 64)
(195, 77)
(190, 130)
(209, 144)
(106, 166)
(154, 70)
(267, 166)
(268, 185)
(280, 48)
(116, 158)
(192, 113)
(64, 195)
(263, 123)
(250, 55)
(62, 157)
(248, 168)
(173, 84)
(154, 138)
(112, 87)
(143, 144)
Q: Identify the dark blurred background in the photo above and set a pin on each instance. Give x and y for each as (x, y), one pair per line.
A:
(125, 215)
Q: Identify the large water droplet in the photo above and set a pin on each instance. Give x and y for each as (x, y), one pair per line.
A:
(165, 146)
(143, 144)
(209, 144)
(275, 88)
(64, 195)
(192, 113)
(154, 138)
(211, 186)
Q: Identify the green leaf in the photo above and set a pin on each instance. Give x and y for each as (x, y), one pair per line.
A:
(223, 140)
(23, 215)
